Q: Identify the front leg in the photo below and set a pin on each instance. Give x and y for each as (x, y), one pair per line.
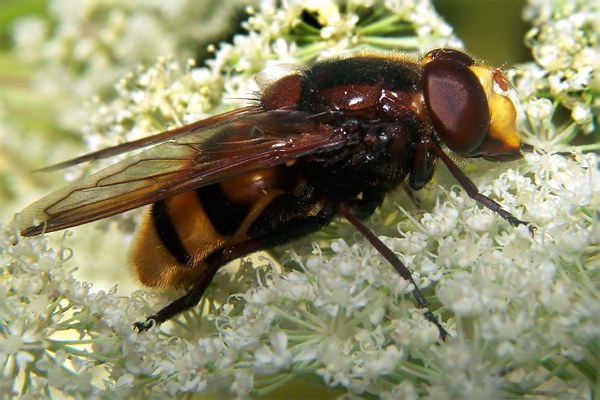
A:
(423, 169)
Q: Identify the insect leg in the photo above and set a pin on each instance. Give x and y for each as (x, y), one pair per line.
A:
(397, 264)
(193, 296)
(472, 190)
(291, 230)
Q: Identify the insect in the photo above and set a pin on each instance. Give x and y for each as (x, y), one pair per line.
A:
(330, 140)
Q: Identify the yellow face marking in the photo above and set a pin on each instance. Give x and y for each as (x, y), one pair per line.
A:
(503, 114)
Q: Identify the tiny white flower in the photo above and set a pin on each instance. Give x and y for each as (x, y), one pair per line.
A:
(276, 356)
(539, 109)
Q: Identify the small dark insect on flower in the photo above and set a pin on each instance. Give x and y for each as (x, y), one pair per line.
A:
(330, 140)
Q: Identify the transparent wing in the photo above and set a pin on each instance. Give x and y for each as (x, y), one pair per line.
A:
(194, 128)
(178, 161)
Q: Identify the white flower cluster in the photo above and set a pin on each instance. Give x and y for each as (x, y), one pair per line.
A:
(565, 44)
(52, 325)
(83, 47)
(517, 300)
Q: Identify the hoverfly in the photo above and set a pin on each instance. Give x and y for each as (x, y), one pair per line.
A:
(330, 140)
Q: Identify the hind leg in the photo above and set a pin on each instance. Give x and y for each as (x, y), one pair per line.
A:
(292, 229)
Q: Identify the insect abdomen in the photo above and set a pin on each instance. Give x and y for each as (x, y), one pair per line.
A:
(179, 233)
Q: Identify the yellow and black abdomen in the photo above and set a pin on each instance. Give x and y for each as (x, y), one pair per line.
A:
(179, 233)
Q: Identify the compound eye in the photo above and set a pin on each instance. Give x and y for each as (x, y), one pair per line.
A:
(457, 104)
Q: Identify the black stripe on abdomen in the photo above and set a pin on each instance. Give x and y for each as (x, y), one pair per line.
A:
(225, 215)
(167, 233)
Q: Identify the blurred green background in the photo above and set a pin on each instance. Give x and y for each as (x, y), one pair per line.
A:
(493, 30)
